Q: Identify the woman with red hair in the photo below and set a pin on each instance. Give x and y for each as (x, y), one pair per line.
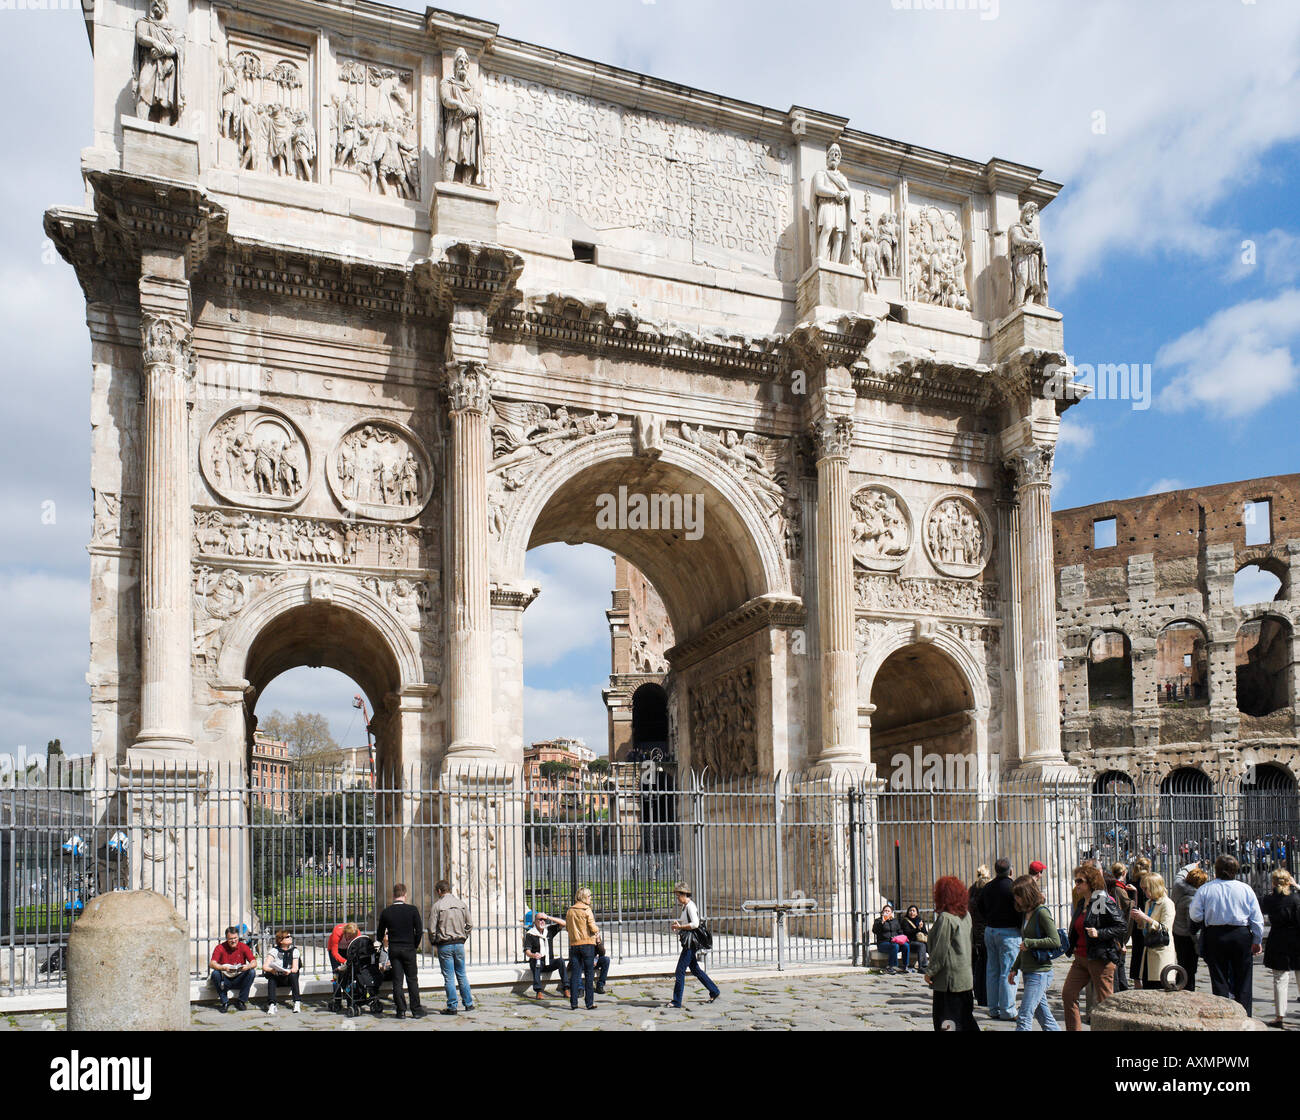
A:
(948, 971)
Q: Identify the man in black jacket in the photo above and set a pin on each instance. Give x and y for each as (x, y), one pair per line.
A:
(997, 906)
(401, 931)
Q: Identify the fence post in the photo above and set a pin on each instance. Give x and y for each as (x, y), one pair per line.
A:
(854, 926)
(618, 865)
(779, 821)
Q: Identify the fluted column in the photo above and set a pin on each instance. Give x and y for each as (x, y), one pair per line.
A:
(165, 593)
(469, 386)
(1013, 655)
(834, 437)
(1033, 466)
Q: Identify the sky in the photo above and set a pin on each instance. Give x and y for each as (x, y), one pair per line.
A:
(1174, 247)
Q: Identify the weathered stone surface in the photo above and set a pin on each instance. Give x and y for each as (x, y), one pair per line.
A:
(128, 965)
(1149, 1010)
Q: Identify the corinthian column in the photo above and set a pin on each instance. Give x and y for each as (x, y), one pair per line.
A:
(469, 388)
(834, 437)
(165, 622)
(1033, 472)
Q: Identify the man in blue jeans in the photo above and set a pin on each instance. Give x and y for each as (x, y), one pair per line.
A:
(449, 919)
(997, 906)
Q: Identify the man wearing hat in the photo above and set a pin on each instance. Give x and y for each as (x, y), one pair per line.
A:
(539, 950)
(685, 928)
(1036, 870)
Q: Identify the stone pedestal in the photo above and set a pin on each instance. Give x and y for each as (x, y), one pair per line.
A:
(464, 212)
(1031, 327)
(128, 965)
(159, 151)
(1151, 1010)
(836, 287)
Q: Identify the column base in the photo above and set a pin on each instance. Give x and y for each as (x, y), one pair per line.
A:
(155, 747)
(469, 749)
(1047, 770)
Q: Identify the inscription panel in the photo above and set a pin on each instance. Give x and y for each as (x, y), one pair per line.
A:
(561, 153)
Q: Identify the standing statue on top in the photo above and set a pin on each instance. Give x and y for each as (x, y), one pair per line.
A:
(462, 126)
(1028, 259)
(157, 67)
(832, 211)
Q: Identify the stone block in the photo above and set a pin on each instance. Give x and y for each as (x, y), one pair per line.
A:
(1031, 327)
(128, 965)
(828, 285)
(1153, 1010)
(159, 151)
(466, 212)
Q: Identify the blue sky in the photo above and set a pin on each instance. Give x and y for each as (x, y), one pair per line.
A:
(1174, 125)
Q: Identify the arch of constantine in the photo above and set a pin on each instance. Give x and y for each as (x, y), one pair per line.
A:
(378, 301)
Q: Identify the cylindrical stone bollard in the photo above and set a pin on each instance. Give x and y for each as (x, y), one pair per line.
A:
(128, 965)
(1150, 1009)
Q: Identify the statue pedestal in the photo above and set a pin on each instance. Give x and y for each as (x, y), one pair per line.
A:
(1030, 326)
(826, 284)
(464, 212)
(159, 151)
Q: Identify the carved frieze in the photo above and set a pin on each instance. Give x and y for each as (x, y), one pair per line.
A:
(115, 519)
(724, 722)
(220, 596)
(256, 456)
(380, 470)
(761, 461)
(237, 535)
(882, 528)
(264, 109)
(936, 257)
(962, 598)
(373, 129)
(958, 538)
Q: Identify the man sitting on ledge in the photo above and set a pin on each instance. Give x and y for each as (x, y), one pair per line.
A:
(233, 970)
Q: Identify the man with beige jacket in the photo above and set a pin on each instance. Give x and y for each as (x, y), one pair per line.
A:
(583, 935)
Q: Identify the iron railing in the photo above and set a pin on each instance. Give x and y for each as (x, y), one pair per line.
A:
(326, 846)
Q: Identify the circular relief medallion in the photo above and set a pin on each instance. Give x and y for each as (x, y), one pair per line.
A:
(255, 456)
(958, 539)
(882, 528)
(380, 470)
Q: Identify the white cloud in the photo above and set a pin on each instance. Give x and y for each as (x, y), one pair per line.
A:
(1274, 254)
(1238, 361)
(569, 615)
(322, 690)
(1165, 485)
(574, 713)
(1074, 435)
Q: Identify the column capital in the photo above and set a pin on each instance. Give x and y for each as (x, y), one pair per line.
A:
(1031, 465)
(468, 386)
(165, 341)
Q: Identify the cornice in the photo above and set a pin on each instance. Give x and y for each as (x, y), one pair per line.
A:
(749, 618)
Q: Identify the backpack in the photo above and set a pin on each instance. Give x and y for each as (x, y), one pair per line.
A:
(1044, 956)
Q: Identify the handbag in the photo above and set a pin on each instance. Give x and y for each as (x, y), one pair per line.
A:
(899, 939)
(1155, 938)
(1043, 956)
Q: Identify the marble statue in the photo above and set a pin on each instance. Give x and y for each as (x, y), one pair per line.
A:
(1028, 259)
(158, 67)
(462, 126)
(832, 206)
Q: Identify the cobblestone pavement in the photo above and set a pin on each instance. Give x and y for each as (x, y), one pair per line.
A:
(851, 1000)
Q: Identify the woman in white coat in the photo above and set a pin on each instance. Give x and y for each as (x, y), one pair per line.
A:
(1157, 921)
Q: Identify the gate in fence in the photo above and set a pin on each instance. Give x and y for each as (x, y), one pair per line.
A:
(326, 847)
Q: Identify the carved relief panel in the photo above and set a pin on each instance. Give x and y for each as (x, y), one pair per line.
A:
(958, 538)
(256, 457)
(374, 130)
(936, 256)
(724, 723)
(380, 470)
(264, 102)
(882, 528)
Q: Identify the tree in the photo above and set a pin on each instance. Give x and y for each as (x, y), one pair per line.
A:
(555, 769)
(307, 733)
(598, 766)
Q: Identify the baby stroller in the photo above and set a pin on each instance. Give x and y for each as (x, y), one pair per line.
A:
(356, 987)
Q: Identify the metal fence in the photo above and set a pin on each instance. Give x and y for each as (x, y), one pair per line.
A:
(326, 847)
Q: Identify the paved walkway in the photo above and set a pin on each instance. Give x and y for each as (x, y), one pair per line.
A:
(852, 1000)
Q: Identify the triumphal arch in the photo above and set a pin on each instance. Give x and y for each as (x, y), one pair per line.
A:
(378, 301)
